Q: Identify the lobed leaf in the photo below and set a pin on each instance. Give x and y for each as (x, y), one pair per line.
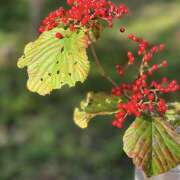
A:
(95, 104)
(52, 63)
(153, 144)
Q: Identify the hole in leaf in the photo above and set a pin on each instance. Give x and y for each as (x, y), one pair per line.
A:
(57, 62)
(58, 72)
(69, 74)
(62, 49)
(41, 79)
(49, 74)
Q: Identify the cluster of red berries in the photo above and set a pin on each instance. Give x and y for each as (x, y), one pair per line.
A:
(83, 13)
(143, 95)
(166, 86)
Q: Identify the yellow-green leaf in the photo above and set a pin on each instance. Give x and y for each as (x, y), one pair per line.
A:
(95, 104)
(153, 144)
(52, 63)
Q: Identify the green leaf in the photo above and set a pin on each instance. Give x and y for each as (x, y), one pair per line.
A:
(153, 145)
(173, 114)
(52, 63)
(95, 104)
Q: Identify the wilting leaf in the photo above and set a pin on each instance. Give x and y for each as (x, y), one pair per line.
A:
(95, 104)
(153, 145)
(52, 63)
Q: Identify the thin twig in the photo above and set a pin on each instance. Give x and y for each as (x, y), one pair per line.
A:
(142, 67)
(101, 69)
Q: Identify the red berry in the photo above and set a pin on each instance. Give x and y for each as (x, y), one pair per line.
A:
(130, 57)
(155, 67)
(41, 29)
(59, 35)
(161, 47)
(119, 70)
(70, 2)
(122, 29)
(151, 97)
(164, 63)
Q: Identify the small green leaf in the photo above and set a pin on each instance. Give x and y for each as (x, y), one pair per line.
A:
(153, 144)
(173, 114)
(95, 104)
(52, 63)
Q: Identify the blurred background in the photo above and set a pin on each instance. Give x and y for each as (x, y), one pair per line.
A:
(38, 139)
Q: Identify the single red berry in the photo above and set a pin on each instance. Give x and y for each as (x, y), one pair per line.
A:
(164, 80)
(41, 29)
(72, 28)
(131, 57)
(151, 97)
(119, 69)
(154, 49)
(146, 91)
(164, 63)
(59, 35)
(161, 47)
(130, 36)
(122, 29)
(147, 57)
(155, 67)
(70, 2)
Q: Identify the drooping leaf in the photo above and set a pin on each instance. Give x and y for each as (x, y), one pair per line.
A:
(173, 114)
(95, 104)
(153, 145)
(52, 63)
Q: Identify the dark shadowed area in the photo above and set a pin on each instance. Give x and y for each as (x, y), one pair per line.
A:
(38, 138)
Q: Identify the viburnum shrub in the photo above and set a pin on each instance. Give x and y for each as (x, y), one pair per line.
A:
(58, 58)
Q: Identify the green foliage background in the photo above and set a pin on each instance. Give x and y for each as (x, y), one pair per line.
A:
(38, 139)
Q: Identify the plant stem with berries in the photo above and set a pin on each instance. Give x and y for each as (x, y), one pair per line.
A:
(144, 94)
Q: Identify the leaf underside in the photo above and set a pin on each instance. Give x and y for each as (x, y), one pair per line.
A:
(52, 63)
(95, 104)
(153, 145)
